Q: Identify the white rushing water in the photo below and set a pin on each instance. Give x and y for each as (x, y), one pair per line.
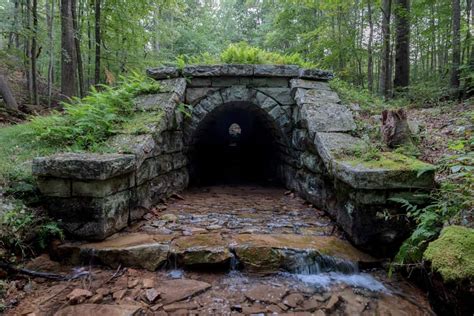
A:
(327, 279)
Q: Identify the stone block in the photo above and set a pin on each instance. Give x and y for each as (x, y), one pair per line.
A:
(84, 166)
(237, 93)
(212, 101)
(281, 95)
(103, 188)
(330, 117)
(308, 84)
(163, 72)
(54, 186)
(312, 162)
(225, 81)
(194, 95)
(314, 96)
(199, 82)
(218, 70)
(91, 218)
(332, 145)
(142, 146)
(315, 74)
(276, 71)
(177, 85)
(157, 101)
(269, 82)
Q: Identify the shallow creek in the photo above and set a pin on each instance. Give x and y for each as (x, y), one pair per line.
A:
(308, 283)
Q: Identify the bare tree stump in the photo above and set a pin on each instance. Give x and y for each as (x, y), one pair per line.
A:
(7, 95)
(395, 128)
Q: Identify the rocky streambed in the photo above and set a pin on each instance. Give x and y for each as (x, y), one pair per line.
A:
(219, 250)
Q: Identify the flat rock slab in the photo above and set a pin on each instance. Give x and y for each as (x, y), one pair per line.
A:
(99, 309)
(325, 245)
(266, 293)
(177, 290)
(83, 166)
(132, 250)
(202, 249)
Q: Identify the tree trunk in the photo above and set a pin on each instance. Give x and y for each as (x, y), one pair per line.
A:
(395, 128)
(456, 61)
(385, 74)
(77, 46)
(29, 75)
(50, 24)
(33, 54)
(97, 42)
(370, 63)
(402, 47)
(68, 51)
(7, 95)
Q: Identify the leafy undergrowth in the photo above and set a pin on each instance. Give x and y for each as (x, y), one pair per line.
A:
(243, 53)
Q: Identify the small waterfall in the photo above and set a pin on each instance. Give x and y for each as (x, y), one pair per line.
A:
(323, 271)
(234, 263)
(309, 262)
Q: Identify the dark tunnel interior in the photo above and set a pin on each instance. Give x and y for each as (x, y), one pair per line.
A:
(237, 143)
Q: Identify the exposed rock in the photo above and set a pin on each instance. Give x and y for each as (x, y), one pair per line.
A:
(118, 295)
(164, 72)
(78, 296)
(152, 295)
(148, 283)
(293, 300)
(202, 249)
(177, 306)
(333, 302)
(177, 290)
(96, 299)
(266, 293)
(102, 310)
(132, 283)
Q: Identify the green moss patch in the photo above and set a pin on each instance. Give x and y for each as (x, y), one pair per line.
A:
(142, 123)
(452, 254)
(389, 160)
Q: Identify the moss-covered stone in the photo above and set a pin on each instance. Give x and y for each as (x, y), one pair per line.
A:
(452, 254)
(390, 160)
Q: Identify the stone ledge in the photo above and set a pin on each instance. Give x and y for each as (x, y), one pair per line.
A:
(239, 70)
(393, 171)
(84, 166)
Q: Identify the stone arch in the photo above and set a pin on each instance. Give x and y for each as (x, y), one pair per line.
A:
(250, 109)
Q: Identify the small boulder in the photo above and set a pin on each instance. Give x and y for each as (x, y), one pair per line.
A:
(78, 296)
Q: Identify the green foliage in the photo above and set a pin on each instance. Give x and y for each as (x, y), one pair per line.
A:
(22, 230)
(186, 109)
(452, 253)
(243, 53)
(86, 123)
(449, 203)
(351, 94)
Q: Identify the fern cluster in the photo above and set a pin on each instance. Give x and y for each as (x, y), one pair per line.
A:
(86, 123)
(451, 203)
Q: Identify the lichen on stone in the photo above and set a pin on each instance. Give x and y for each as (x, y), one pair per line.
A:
(452, 254)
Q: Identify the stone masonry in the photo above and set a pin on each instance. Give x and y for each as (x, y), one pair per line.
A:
(97, 195)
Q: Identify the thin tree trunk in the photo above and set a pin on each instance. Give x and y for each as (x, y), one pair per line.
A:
(34, 85)
(68, 52)
(456, 59)
(97, 42)
(29, 75)
(402, 47)
(50, 24)
(385, 74)
(7, 95)
(370, 63)
(77, 46)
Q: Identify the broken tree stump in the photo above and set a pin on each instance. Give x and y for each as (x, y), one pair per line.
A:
(395, 128)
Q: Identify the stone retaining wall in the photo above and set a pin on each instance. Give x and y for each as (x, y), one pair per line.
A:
(97, 195)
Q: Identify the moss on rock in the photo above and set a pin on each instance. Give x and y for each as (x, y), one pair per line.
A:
(452, 254)
(390, 160)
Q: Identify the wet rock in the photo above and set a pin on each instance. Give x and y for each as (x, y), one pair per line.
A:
(293, 300)
(169, 218)
(78, 296)
(266, 293)
(202, 249)
(118, 295)
(132, 250)
(148, 283)
(132, 283)
(152, 295)
(333, 302)
(96, 299)
(102, 310)
(179, 289)
(180, 306)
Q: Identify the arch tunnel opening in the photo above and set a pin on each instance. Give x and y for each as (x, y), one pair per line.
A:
(236, 143)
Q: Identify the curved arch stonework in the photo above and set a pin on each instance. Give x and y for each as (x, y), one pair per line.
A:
(97, 195)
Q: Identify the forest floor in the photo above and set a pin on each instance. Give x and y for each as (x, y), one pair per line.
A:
(220, 210)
